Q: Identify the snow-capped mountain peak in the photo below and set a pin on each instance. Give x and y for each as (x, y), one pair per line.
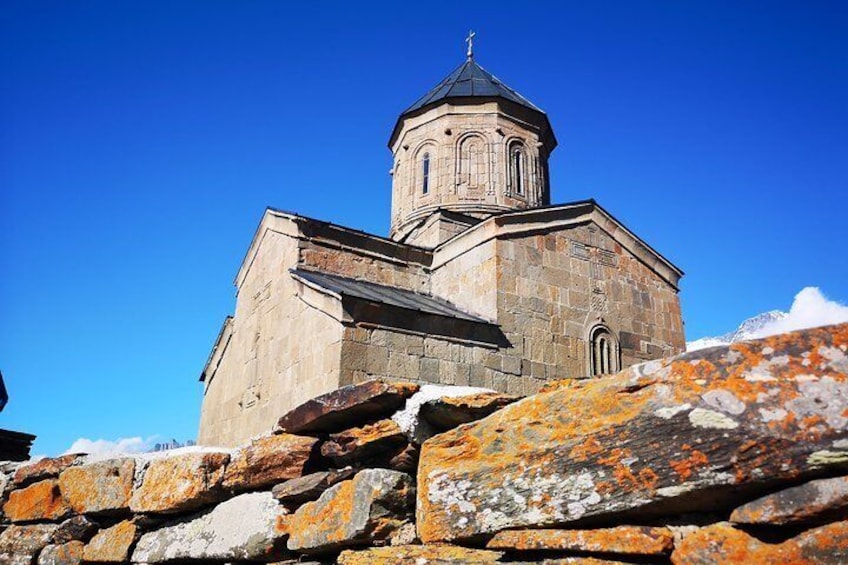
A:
(749, 329)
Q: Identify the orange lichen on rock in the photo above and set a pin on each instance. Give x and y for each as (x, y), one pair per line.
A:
(181, 482)
(40, 501)
(112, 545)
(47, 468)
(592, 450)
(419, 554)
(268, 460)
(722, 544)
(798, 504)
(357, 444)
(626, 540)
(101, 487)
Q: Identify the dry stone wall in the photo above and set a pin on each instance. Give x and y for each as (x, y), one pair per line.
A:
(736, 454)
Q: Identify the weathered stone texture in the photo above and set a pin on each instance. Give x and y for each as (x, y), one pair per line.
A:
(268, 460)
(684, 434)
(348, 406)
(309, 487)
(104, 487)
(804, 503)
(47, 468)
(358, 444)
(363, 510)
(180, 483)
(19, 545)
(78, 528)
(70, 553)
(627, 540)
(721, 544)
(112, 545)
(250, 526)
(39, 501)
(449, 412)
(418, 555)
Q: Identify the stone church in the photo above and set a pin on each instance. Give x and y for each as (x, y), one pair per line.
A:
(481, 282)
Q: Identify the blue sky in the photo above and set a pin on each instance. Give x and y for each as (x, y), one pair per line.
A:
(141, 141)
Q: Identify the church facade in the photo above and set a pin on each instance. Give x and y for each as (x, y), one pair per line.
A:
(482, 281)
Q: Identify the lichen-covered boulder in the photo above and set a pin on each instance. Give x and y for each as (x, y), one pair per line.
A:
(104, 487)
(689, 433)
(722, 544)
(112, 545)
(77, 528)
(358, 444)
(181, 483)
(364, 510)
(47, 468)
(622, 540)
(809, 502)
(37, 502)
(348, 406)
(63, 554)
(19, 545)
(250, 526)
(268, 460)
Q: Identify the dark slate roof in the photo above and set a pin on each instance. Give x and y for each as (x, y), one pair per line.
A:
(470, 80)
(391, 296)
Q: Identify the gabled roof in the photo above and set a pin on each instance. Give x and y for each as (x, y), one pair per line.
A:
(392, 296)
(470, 80)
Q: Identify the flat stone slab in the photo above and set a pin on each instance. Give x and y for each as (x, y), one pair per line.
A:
(625, 540)
(112, 545)
(41, 501)
(64, 554)
(449, 412)
(48, 468)
(348, 406)
(268, 460)
(104, 487)
(805, 503)
(20, 544)
(691, 433)
(418, 555)
(359, 444)
(309, 487)
(181, 483)
(361, 511)
(722, 544)
(249, 526)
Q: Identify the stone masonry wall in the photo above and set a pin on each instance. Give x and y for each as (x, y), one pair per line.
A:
(734, 454)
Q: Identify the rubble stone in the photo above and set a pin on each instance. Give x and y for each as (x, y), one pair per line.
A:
(805, 503)
(249, 526)
(348, 406)
(65, 554)
(268, 460)
(365, 509)
(181, 483)
(78, 528)
(358, 444)
(307, 488)
(39, 501)
(112, 545)
(449, 412)
(689, 433)
(103, 487)
(722, 544)
(47, 468)
(20, 544)
(627, 540)
(419, 554)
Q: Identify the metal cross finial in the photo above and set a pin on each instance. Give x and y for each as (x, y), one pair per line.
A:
(470, 41)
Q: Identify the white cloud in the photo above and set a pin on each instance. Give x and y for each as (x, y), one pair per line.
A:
(106, 448)
(810, 309)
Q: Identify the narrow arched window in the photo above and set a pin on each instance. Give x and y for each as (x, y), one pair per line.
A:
(603, 352)
(518, 170)
(425, 173)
